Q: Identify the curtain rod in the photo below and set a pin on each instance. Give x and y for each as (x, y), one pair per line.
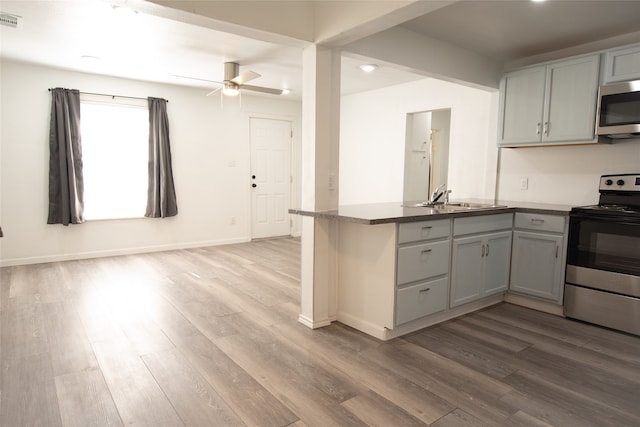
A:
(112, 96)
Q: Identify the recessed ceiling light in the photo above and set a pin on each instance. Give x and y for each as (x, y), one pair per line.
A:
(367, 68)
(286, 91)
(537, 1)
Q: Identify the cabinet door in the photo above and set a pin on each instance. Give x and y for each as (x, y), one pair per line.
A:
(622, 64)
(572, 89)
(497, 259)
(522, 106)
(536, 267)
(466, 271)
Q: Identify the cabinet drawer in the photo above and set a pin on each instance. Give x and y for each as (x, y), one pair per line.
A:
(422, 261)
(420, 300)
(423, 230)
(551, 223)
(482, 224)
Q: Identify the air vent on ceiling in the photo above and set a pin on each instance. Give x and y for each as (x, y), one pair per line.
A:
(9, 20)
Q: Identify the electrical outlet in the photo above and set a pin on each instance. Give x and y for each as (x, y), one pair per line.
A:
(524, 183)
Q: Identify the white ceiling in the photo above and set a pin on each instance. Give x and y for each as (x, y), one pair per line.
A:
(149, 47)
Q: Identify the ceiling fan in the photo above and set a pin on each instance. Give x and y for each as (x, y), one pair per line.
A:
(234, 81)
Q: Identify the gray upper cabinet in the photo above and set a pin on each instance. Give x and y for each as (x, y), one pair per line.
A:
(554, 103)
(522, 102)
(622, 64)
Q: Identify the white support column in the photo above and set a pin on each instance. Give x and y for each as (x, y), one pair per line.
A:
(320, 149)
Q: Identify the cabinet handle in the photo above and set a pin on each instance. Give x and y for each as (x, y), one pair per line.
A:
(546, 128)
(487, 253)
(427, 227)
(424, 251)
(537, 221)
(538, 128)
(424, 290)
(482, 251)
(557, 250)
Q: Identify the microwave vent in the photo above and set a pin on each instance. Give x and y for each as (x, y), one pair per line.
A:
(9, 20)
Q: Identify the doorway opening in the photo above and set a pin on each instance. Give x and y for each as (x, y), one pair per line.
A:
(426, 164)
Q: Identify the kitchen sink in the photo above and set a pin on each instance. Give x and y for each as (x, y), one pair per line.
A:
(454, 206)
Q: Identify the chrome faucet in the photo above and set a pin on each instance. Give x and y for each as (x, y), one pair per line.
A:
(437, 193)
(446, 197)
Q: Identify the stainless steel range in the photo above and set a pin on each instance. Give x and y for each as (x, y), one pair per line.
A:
(602, 283)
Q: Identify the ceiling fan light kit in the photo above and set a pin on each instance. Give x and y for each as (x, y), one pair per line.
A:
(234, 80)
(230, 89)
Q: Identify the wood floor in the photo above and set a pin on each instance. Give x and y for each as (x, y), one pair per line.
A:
(209, 337)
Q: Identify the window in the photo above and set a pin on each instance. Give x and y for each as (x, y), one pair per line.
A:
(115, 151)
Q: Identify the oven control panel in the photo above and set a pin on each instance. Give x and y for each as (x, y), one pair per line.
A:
(624, 182)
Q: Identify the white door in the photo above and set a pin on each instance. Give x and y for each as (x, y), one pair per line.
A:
(270, 177)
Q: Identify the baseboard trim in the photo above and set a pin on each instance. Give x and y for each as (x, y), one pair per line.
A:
(386, 334)
(118, 252)
(314, 324)
(534, 304)
(369, 328)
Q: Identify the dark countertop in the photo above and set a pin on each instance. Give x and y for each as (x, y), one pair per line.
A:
(395, 212)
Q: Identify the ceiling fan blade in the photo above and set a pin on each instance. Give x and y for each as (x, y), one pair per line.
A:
(262, 89)
(214, 91)
(196, 78)
(244, 77)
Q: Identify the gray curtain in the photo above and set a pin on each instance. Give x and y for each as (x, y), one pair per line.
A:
(161, 195)
(66, 204)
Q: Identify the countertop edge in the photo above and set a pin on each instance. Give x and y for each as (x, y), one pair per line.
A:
(512, 207)
(542, 211)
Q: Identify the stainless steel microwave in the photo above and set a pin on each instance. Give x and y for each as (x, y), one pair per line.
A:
(618, 114)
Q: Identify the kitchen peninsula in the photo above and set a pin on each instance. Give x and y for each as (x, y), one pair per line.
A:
(401, 268)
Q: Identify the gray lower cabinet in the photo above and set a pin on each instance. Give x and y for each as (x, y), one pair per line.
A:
(395, 278)
(422, 299)
(538, 256)
(480, 257)
(422, 272)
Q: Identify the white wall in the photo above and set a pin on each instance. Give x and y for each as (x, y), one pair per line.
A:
(211, 161)
(429, 57)
(564, 174)
(372, 139)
